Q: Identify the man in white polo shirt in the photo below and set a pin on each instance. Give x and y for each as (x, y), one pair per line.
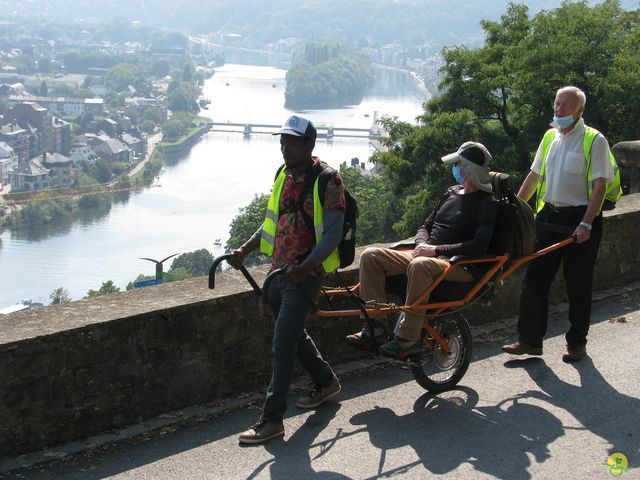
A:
(570, 193)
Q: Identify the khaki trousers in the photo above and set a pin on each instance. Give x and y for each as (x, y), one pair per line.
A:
(376, 263)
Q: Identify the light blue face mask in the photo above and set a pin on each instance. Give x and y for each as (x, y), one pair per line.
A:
(564, 122)
(457, 174)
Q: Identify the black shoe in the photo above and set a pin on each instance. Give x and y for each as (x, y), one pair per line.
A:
(521, 348)
(574, 354)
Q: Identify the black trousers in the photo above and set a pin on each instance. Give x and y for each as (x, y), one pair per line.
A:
(578, 262)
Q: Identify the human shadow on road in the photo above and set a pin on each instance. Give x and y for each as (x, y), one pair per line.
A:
(448, 429)
(594, 403)
(292, 458)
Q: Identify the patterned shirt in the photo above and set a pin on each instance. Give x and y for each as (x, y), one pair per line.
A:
(294, 240)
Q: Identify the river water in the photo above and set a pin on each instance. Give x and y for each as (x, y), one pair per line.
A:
(199, 192)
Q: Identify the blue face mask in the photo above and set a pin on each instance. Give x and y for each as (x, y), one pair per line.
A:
(457, 174)
(564, 122)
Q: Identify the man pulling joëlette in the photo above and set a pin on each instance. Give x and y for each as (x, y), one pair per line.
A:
(306, 255)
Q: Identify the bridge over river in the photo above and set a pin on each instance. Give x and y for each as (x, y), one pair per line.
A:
(329, 132)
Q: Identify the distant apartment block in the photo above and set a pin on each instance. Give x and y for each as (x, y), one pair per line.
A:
(23, 142)
(8, 162)
(62, 105)
(32, 117)
(49, 170)
(52, 134)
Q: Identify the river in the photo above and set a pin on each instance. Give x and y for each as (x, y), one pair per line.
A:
(199, 192)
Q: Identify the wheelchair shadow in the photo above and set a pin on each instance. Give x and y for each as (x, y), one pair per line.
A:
(594, 403)
(292, 458)
(449, 429)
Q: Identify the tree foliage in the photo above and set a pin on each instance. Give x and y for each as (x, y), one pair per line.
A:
(196, 263)
(36, 214)
(327, 74)
(177, 126)
(60, 295)
(107, 288)
(372, 193)
(120, 76)
(245, 224)
(502, 95)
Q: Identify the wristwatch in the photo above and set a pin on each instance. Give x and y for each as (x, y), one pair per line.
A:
(586, 225)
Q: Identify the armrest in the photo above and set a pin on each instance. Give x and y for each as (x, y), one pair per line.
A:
(403, 245)
(466, 258)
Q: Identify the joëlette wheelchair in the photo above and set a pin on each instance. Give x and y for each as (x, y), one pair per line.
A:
(446, 336)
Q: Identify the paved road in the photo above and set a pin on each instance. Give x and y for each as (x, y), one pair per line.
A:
(152, 142)
(509, 419)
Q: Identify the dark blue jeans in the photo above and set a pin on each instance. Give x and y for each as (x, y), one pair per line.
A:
(290, 339)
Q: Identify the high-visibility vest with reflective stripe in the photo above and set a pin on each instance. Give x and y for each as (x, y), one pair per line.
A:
(270, 225)
(613, 191)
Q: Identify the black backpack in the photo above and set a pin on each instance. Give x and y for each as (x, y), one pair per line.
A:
(523, 232)
(324, 173)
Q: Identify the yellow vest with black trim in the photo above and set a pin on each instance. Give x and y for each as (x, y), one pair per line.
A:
(270, 225)
(613, 191)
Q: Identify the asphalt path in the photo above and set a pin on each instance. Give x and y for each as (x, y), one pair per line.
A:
(510, 418)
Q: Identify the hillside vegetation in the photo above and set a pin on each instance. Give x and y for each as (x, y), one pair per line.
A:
(326, 75)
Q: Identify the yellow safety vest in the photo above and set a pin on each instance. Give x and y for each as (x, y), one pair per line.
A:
(269, 227)
(613, 191)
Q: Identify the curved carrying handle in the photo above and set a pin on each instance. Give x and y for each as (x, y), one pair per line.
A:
(247, 275)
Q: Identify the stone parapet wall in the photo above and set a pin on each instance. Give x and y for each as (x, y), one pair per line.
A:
(74, 370)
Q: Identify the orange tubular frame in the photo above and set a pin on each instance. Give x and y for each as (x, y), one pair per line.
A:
(432, 310)
(436, 308)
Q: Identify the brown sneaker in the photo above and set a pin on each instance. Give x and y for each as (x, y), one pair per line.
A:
(261, 431)
(521, 348)
(319, 395)
(574, 354)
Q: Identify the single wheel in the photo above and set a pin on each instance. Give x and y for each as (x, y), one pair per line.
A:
(436, 370)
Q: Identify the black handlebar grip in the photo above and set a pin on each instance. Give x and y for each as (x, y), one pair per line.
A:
(247, 275)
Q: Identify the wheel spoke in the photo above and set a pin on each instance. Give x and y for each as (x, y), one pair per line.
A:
(437, 370)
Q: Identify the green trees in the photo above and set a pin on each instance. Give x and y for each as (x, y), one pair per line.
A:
(120, 76)
(245, 224)
(45, 212)
(180, 124)
(60, 295)
(327, 74)
(502, 95)
(196, 263)
(375, 218)
(106, 288)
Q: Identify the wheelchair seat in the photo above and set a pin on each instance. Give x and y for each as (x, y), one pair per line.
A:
(501, 243)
